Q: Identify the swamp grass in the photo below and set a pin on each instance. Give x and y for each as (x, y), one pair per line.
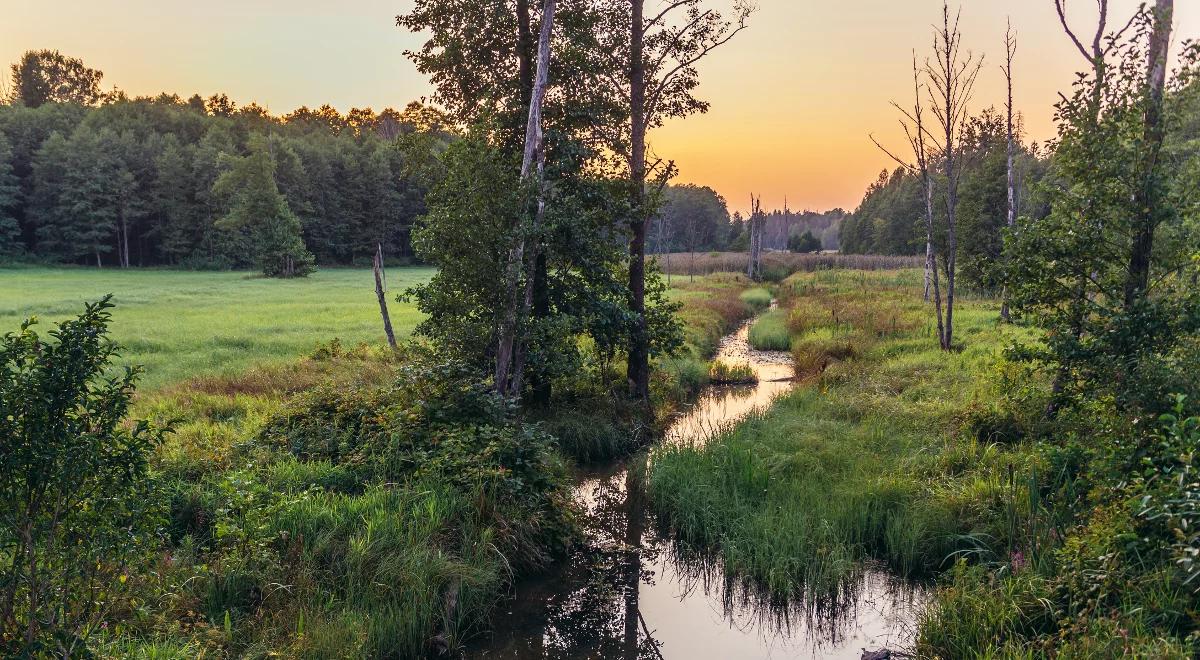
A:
(770, 332)
(865, 460)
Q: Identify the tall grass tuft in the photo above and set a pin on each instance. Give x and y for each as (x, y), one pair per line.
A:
(770, 332)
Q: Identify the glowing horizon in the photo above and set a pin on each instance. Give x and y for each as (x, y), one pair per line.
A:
(794, 98)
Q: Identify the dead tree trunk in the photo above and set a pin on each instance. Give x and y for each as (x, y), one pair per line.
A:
(1010, 50)
(535, 263)
(952, 80)
(380, 293)
(504, 376)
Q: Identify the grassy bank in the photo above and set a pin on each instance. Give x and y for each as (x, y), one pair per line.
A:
(712, 306)
(350, 504)
(181, 324)
(1063, 537)
(358, 503)
(868, 458)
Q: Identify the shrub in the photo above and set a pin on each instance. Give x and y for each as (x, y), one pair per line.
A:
(76, 500)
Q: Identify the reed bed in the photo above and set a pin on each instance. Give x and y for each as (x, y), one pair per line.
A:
(778, 265)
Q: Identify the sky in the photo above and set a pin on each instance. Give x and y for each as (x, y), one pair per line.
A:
(795, 97)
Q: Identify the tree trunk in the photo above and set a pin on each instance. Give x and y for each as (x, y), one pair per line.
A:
(638, 368)
(505, 383)
(380, 294)
(1012, 180)
(931, 256)
(1146, 198)
(951, 228)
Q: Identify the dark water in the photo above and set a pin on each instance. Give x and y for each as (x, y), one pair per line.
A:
(631, 592)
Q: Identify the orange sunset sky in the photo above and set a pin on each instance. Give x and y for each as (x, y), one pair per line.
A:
(793, 98)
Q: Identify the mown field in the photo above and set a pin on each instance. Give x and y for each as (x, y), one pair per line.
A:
(181, 324)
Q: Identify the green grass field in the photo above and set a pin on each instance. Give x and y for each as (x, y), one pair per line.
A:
(180, 324)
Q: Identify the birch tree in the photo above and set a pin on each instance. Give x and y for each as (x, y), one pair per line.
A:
(509, 374)
(1010, 51)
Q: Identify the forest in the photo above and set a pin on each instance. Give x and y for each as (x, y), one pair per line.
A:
(484, 377)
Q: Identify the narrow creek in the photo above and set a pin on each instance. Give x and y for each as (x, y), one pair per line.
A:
(631, 592)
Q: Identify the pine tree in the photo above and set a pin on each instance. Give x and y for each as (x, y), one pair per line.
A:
(10, 230)
(257, 209)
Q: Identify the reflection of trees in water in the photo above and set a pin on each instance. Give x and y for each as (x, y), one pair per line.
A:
(599, 617)
(825, 616)
(593, 611)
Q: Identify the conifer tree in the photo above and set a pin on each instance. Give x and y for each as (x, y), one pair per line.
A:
(260, 214)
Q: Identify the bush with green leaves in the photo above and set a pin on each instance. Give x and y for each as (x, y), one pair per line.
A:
(77, 504)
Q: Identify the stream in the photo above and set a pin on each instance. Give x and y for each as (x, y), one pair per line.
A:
(632, 592)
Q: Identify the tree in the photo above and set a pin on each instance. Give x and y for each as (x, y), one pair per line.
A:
(1111, 271)
(258, 209)
(80, 188)
(509, 364)
(76, 495)
(952, 78)
(804, 243)
(10, 229)
(651, 70)
(1010, 51)
(48, 76)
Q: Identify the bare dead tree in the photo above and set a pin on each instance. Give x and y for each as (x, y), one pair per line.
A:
(1010, 52)
(757, 229)
(508, 371)
(381, 294)
(952, 75)
(1098, 50)
(913, 122)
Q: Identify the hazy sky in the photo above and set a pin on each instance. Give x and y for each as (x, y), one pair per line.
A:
(793, 98)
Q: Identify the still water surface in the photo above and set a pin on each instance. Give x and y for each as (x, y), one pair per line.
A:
(632, 592)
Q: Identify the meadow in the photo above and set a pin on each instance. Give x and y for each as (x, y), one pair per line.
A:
(281, 437)
(182, 324)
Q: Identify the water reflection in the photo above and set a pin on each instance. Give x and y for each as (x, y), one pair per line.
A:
(632, 592)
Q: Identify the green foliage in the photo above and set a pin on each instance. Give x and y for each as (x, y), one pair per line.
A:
(437, 420)
(1071, 270)
(1171, 482)
(76, 499)
(46, 76)
(691, 218)
(140, 172)
(10, 229)
(260, 214)
(805, 243)
(578, 286)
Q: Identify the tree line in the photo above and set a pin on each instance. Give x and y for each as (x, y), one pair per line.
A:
(696, 218)
(111, 180)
